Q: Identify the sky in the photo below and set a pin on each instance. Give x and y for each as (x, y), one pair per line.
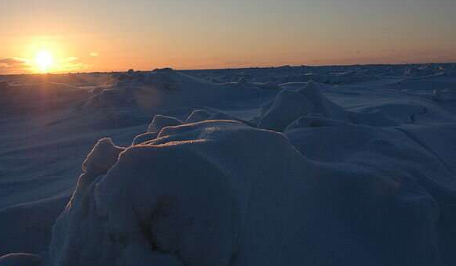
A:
(113, 35)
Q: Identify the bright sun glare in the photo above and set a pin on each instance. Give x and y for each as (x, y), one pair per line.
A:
(44, 61)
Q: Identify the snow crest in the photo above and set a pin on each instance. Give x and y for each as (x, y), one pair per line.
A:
(238, 167)
(290, 105)
(189, 197)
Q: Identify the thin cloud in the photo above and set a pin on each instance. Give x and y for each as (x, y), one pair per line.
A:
(12, 65)
(94, 54)
(71, 64)
(24, 65)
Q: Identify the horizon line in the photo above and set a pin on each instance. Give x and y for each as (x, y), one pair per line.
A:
(235, 68)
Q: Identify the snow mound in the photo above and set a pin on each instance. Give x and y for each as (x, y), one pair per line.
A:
(287, 106)
(158, 123)
(322, 104)
(164, 88)
(101, 157)
(161, 121)
(206, 114)
(290, 105)
(144, 137)
(223, 193)
(402, 153)
(198, 116)
(38, 97)
(179, 213)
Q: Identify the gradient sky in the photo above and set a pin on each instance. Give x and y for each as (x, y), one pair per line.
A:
(106, 35)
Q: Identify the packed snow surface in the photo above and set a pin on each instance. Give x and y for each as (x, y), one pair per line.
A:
(276, 166)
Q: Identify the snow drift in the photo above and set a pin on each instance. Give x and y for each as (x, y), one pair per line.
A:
(164, 88)
(189, 197)
(21, 259)
(159, 122)
(290, 105)
(41, 96)
(359, 174)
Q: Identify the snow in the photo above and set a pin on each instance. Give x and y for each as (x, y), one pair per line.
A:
(20, 259)
(158, 123)
(102, 157)
(144, 137)
(286, 108)
(277, 166)
(290, 105)
(163, 88)
(198, 115)
(161, 121)
(210, 114)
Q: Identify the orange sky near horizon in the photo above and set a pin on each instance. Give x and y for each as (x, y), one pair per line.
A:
(86, 36)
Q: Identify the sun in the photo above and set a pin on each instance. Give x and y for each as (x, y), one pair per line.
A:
(44, 61)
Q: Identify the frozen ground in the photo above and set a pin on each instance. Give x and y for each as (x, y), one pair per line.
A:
(280, 166)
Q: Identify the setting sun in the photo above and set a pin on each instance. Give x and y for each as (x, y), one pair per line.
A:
(44, 61)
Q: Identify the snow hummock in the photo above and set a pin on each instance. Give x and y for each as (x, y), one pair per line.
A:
(188, 198)
(198, 116)
(290, 105)
(102, 157)
(164, 88)
(232, 172)
(158, 123)
(287, 106)
(161, 121)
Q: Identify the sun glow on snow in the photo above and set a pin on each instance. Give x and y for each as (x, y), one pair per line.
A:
(44, 61)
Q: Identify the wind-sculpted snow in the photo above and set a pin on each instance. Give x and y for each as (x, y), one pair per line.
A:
(20, 259)
(400, 153)
(137, 95)
(164, 88)
(189, 197)
(198, 116)
(41, 96)
(159, 122)
(235, 167)
(202, 115)
(290, 105)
